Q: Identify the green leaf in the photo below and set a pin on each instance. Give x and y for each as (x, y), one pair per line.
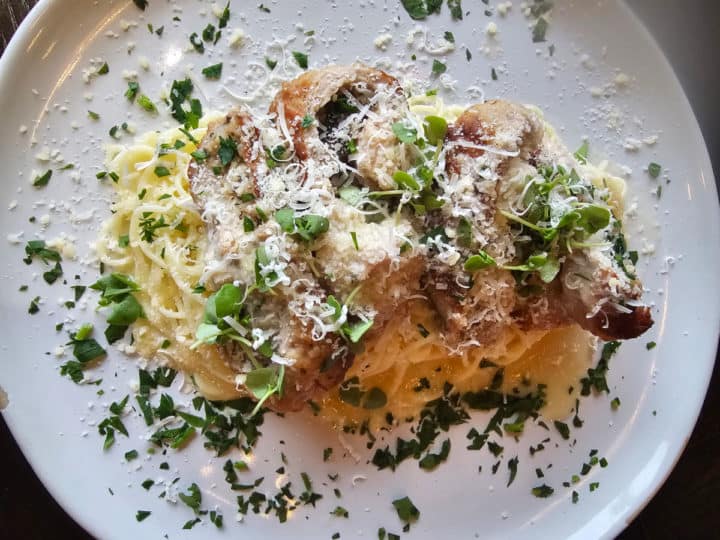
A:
(301, 59)
(416, 9)
(146, 103)
(438, 68)
(161, 171)
(582, 153)
(74, 370)
(311, 226)
(337, 306)
(224, 16)
(145, 409)
(435, 128)
(549, 270)
(192, 498)
(406, 181)
(404, 133)
(206, 333)
(42, 180)
(340, 512)
(307, 121)
(228, 301)
(562, 428)
(478, 262)
(37, 248)
(355, 332)
(52, 275)
(456, 9)
(141, 515)
(87, 350)
(227, 150)
(264, 382)
(260, 381)
(406, 510)
(132, 90)
(125, 312)
(593, 218)
(115, 332)
(350, 194)
(654, 170)
(539, 30)
(213, 72)
(542, 491)
(285, 217)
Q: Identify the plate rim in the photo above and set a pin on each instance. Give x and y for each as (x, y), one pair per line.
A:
(12, 55)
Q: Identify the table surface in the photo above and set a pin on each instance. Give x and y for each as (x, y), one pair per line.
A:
(685, 507)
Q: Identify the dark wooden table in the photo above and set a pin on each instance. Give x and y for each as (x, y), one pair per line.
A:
(687, 506)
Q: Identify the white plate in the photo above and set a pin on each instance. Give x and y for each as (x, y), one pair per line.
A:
(661, 390)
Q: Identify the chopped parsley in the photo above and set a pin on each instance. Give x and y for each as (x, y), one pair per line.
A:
(596, 377)
(340, 512)
(132, 90)
(301, 59)
(581, 154)
(455, 9)
(146, 103)
(406, 510)
(542, 491)
(149, 226)
(161, 171)
(180, 93)
(43, 179)
(227, 150)
(224, 16)
(141, 515)
(654, 170)
(539, 30)
(213, 72)
(38, 248)
(192, 498)
(438, 68)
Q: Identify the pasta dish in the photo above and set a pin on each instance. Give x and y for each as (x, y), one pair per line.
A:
(353, 244)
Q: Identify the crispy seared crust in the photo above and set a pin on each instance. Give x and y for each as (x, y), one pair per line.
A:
(500, 124)
(308, 93)
(379, 153)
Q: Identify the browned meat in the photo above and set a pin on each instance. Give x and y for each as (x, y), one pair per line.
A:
(318, 365)
(219, 195)
(483, 145)
(313, 365)
(347, 105)
(477, 311)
